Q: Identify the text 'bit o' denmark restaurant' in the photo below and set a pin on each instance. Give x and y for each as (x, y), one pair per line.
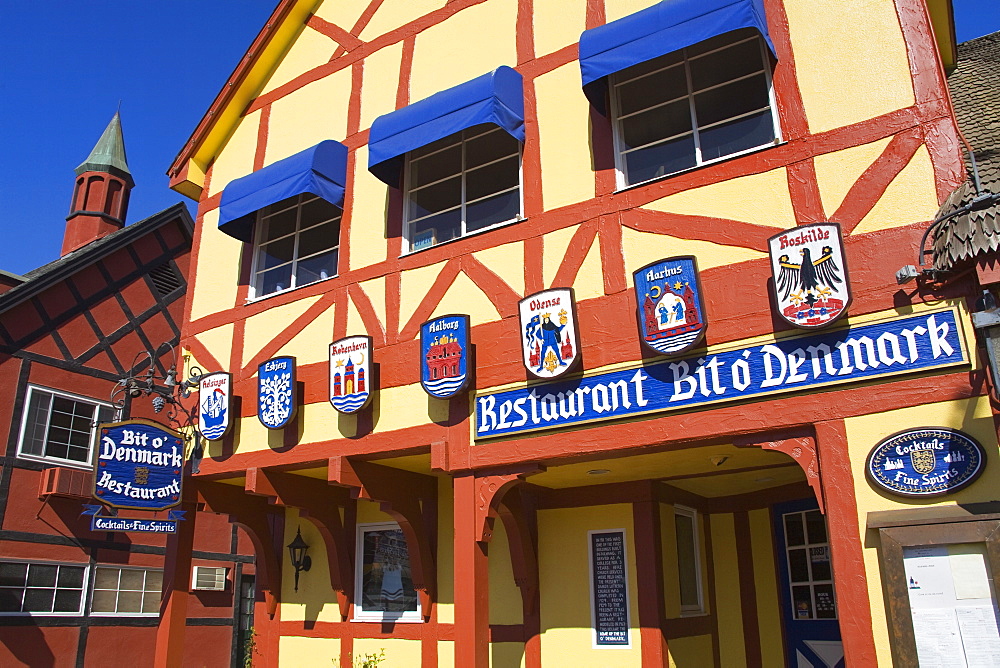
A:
(570, 333)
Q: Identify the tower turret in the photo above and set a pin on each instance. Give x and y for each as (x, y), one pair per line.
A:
(100, 196)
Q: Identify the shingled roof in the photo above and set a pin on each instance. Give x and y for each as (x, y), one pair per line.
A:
(975, 89)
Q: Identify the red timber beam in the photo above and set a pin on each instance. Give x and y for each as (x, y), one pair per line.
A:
(411, 499)
(320, 503)
(176, 590)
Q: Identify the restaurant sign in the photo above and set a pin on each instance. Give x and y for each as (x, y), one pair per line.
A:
(865, 352)
(929, 461)
(139, 465)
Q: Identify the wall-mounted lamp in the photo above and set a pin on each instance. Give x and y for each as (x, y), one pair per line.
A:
(297, 554)
(986, 319)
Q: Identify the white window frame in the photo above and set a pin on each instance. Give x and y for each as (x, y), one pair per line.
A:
(72, 463)
(360, 614)
(255, 247)
(94, 589)
(83, 588)
(691, 610)
(224, 582)
(407, 235)
(615, 79)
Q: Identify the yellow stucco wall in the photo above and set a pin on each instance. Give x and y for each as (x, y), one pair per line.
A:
(505, 595)
(329, 96)
(217, 269)
(236, 159)
(565, 602)
(766, 587)
(564, 137)
(973, 416)
(864, 41)
(308, 652)
(727, 590)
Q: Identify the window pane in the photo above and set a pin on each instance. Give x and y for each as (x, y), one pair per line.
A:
(802, 600)
(132, 579)
(70, 576)
(41, 575)
(386, 582)
(276, 253)
(687, 571)
(491, 179)
(316, 268)
(655, 124)
(106, 578)
(731, 100)
(797, 566)
(436, 167)
(819, 559)
(129, 601)
(436, 229)
(436, 146)
(652, 65)
(274, 280)
(435, 198)
(316, 211)
(278, 225)
(34, 428)
(651, 90)
(720, 41)
(826, 604)
(725, 65)
(493, 210)
(319, 238)
(10, 600)
(151, 602)
(489, 147)
(739, 135)
(154, 581)
(13, 574)
(67, 600)
(816, 527)
(38, 600)
(660, 159)
(794, 533)
(104, 601)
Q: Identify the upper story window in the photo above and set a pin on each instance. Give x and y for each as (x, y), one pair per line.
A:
(41, 588)
(296, 242)
(60, 427)
(461, 184)
(691, 107)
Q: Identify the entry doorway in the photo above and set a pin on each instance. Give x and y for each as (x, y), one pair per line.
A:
(808, 600)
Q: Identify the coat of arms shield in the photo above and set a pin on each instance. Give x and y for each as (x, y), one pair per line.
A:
(811, 286)
(276, 402)
(214, 401)
(444, 355)
(668, 297)
(350, 373)
(923, 461)
(550, 342)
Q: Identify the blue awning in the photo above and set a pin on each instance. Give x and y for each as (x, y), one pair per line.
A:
(497, 97)
(658, 30)
(320, 170)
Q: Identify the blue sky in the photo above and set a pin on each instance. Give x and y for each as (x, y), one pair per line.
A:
(66, 65)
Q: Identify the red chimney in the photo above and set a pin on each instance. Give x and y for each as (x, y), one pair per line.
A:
(100, 197)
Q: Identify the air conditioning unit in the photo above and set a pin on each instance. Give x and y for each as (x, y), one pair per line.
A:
(209, 578)
(66, 482)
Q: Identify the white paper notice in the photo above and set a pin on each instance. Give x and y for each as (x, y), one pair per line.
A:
(928, 577)
(939, 644)
(980, 635)
(968, 568)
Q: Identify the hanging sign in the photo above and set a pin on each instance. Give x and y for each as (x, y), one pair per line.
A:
(890, 347)
(444, 355)
(276, 402)
(668, 297)
(350, 373)
(214, 401)
(811, 287)
(139, 465)
(929, 461)
(550, 342)
(112, 522)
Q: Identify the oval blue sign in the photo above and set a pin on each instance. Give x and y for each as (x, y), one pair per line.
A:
(925, 462)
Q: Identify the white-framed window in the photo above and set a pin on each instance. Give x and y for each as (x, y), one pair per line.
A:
(60, 427)
(296, 242)
(692, 107)
(38, 588)
(465, 183)
(126, 591)
(383, 584)
(686, 534)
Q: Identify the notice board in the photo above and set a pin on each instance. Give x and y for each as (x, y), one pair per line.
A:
(609, 589)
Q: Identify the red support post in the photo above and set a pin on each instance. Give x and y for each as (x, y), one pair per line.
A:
(472, 603)
(176, 589)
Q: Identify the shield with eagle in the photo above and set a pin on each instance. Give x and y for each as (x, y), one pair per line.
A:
(811, 286)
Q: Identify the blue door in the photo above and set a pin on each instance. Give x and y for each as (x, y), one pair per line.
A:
(809, 603)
